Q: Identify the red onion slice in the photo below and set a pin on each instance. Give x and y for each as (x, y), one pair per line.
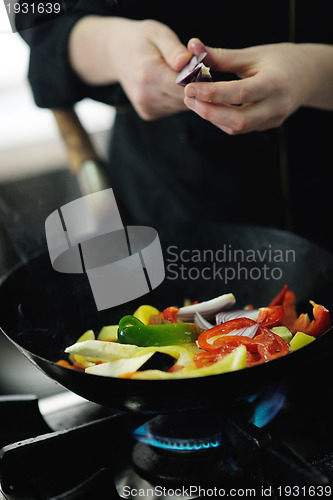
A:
(207, 309)
(194, 71)
(222, 317)
(248, 331)
(202, 322)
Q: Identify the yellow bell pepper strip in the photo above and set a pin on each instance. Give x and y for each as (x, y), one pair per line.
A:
(301, 339)
(108, 333)
(143, 313)
(133, 331)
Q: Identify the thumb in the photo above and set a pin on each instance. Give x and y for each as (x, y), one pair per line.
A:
(219, 59)
(172, 50)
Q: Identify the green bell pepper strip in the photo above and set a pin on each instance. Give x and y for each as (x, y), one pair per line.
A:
(132, 331)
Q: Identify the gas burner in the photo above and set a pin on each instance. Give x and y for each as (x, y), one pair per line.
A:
(80, 451)
(182, 448)
(185, 432)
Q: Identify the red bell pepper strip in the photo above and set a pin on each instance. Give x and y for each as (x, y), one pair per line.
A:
(278, 300)
(317, 326)
(271, 316)
(289, 307)
(287, 299)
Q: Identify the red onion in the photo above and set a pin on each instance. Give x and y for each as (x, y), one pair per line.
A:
(248, 331)
(222, 317)
(202, 322)
(194, 71)
(208, 309)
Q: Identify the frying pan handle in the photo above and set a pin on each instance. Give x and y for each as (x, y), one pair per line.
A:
(83, 159)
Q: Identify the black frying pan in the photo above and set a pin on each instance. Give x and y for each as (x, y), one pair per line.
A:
(44, 311)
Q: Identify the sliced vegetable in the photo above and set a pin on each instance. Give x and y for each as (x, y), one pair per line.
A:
(80, 362)
(108, 333)
(212, 339)
(183, 354)
(301, 339)
(318, 325)
(268, 346)
(104, 351)
(133, 331)
(283, 332)
(278, 300)
(202, 322)
(262, 348)
(222, 317)
(143, 313)
(234, 361)
(271, 316)
(208, 309)
(194, 71)
(120, 366)
(170, 314)
(289, 308)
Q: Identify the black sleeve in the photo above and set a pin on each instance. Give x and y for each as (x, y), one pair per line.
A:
(54, 83)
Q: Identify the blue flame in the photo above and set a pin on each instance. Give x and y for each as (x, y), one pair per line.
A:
(143, 435)
(265, 409)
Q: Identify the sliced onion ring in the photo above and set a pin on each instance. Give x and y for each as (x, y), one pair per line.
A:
(202, 322)
(222, 317)
(208, 309)
(248, 331)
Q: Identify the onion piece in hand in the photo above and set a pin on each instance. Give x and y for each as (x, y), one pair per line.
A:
(194, 71)
(207, 309)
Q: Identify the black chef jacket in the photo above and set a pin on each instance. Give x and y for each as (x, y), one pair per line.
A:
(179, 171)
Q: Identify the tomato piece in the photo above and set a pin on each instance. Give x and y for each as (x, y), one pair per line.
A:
(204, 358)
(278, 300)
(212, 339)
(264, 347)
(274, 345)
(317, 326)
(271, 316)
(170, 314)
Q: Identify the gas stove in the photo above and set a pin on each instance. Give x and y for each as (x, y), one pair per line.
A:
(65, 448)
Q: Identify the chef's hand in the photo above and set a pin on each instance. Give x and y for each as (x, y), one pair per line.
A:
(143, 56)
(274, 80)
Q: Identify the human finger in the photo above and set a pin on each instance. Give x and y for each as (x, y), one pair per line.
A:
(221, 59)
(237, 119)
(172, 50)
(231, 92)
